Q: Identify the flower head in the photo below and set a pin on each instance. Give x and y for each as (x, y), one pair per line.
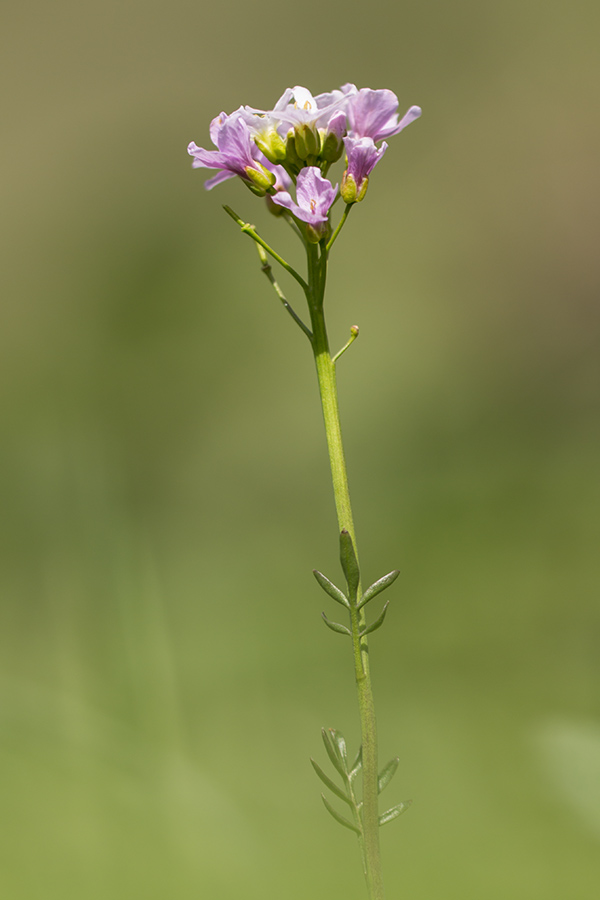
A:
(314, 195)
(269, 149)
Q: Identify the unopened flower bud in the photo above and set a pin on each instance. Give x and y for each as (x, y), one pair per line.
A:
(332, 138)
(348, 188)
(332, 148)
(292, 160)
(308, 142)
(259, 179)
(350, 191)
(272, 145)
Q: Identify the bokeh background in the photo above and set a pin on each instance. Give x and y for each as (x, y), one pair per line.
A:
(165, 490)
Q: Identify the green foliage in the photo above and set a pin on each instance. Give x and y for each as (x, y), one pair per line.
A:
(339, 818)
(349, 564)
(377, 587)
(331, 589)
(387, 773)
(394, 812)
(335, 626)
(377, 624)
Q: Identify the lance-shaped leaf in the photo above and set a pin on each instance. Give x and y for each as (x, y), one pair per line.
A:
(330, 784)
(339, 744)
(377, 587)
(387, 773)
(331, 589)
(339, 818)
(349, 563)
(335, 626)
(356, 765)
(394, 812)
(331, 748)
(377, 624)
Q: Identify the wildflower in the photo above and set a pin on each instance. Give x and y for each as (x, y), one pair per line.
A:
(236, 155)
(315, 196)
(362, 157)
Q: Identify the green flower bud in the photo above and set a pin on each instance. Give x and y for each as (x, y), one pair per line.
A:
(292, 160)
(332, 148)
(348, 188)
(272, 145)
(259, 179)
(308, 142)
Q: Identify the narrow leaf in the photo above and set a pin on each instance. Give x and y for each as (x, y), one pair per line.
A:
(335, 626)
(339, 743)
(331, 589)
(394, 812)
(331, 752)
(377, 587)
(330, 784)
(339, 818)
(377, 624)
(356, 765)
(386, 774)
(349, 564)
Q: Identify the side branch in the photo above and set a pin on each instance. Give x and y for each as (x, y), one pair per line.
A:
(266, 268)
(353, 336)
(251, 231)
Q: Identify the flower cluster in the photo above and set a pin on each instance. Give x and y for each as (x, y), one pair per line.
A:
(297, 141)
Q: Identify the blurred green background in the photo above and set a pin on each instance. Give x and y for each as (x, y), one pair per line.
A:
(165, 490)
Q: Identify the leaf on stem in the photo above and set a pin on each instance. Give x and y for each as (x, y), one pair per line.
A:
(339, 743)
(394, 812)
(377, 624)
(331, 589)
(336, 762)
(386, 774)
(335, 626)
(339, 818)
(330, 784)
(349, 563)
(377, 587)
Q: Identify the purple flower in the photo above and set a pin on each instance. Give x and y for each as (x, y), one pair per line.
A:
(374, 114)
(236, 154)
(315, 196)
(297, 107)
(363, 156)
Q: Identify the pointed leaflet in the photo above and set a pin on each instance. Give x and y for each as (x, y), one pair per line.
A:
(377, 587)
(394, 812)
(377, 624)
(387, 773)
(331, 752)
(349, 563)
(339, 744)
(338, 817)
(330, 784)
(331, 589)
(335, 626)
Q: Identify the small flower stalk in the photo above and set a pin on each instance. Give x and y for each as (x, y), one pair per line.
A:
(284, 155)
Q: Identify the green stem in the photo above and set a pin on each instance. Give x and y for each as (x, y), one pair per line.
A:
(317, 269)
(250, 230)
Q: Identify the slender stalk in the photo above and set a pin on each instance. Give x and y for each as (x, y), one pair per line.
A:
(317, 269)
